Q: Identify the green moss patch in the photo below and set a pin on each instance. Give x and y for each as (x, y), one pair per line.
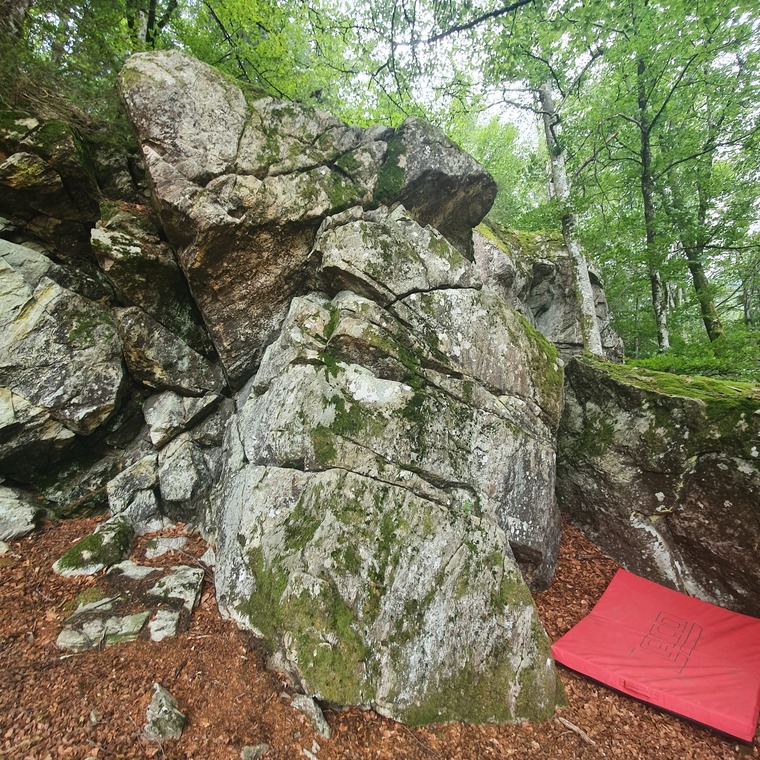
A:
(328, 648)
(724, 410)
(390, 178)
(109, 544)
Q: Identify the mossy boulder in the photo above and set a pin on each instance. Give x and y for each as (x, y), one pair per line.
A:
(241, 196)
(110, 543)
(663, 471)
(377, 597)
(388, 488)
(534, 274)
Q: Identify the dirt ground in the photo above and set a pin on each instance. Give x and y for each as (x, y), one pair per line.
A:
(57, 705)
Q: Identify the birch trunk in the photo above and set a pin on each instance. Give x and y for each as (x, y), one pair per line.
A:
(592, 340)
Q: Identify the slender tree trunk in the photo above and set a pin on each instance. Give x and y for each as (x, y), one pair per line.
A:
(592, 340)
(636, 330)
(707, 308)
(659, 292)
(748, 299)
(694, 241)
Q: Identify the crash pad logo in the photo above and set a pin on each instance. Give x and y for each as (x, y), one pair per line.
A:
(672, 638)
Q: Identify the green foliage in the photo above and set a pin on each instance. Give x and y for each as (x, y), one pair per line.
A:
(734, 356)
(518, 167)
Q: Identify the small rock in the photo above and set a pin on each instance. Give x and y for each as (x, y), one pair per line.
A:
(18, 515)
(101, 605)
(164, 719)
(183, 583)
(101, 632)
(208, 558)
(254, 753)
(72, 640)
(132, 570)
(4, 548)
(168, 414)
(109, 543)
(158, 546)
(313, 712)
(140, 476)
(164, 624)
(144, 514)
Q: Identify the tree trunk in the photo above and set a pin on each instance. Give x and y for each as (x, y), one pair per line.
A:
(707, 307)
(592, 340)
(748, 301)
(693, 241)
(659, 292)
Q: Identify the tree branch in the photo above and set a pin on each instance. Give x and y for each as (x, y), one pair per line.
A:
(594, 155)
(470, 24)
(665, 102)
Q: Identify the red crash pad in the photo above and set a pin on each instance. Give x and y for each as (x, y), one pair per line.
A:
(684, 655)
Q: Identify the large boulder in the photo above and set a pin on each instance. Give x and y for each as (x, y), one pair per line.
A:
(385, 482)
(242, 189)
(61, 371)
(535, 275)
(663, 472)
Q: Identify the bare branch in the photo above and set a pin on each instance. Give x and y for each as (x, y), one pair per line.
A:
(470, 24)
(594, 155)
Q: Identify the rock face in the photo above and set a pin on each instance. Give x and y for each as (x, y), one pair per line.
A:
(384, 477)
(61, 371)
(534, 274)
(663, 472)
(242, 189)
(18, 514)
(47, 183)
(297, 354)
(144, 272)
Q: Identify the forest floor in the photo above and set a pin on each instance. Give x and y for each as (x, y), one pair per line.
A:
(56, 705)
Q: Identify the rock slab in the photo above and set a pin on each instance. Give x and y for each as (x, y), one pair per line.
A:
(663, 473)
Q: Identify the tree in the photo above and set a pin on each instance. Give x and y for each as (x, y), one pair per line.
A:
(673, 97)
(592, 340)
(532, 52)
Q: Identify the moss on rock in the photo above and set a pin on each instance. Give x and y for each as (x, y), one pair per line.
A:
(110, 543)
(390, 178)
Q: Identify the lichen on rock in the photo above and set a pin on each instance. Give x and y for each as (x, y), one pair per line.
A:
(380, 478)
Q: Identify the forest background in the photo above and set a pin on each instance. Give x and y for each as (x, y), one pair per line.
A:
(629, 127)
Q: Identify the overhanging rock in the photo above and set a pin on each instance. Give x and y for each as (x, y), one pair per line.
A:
(242, 189)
